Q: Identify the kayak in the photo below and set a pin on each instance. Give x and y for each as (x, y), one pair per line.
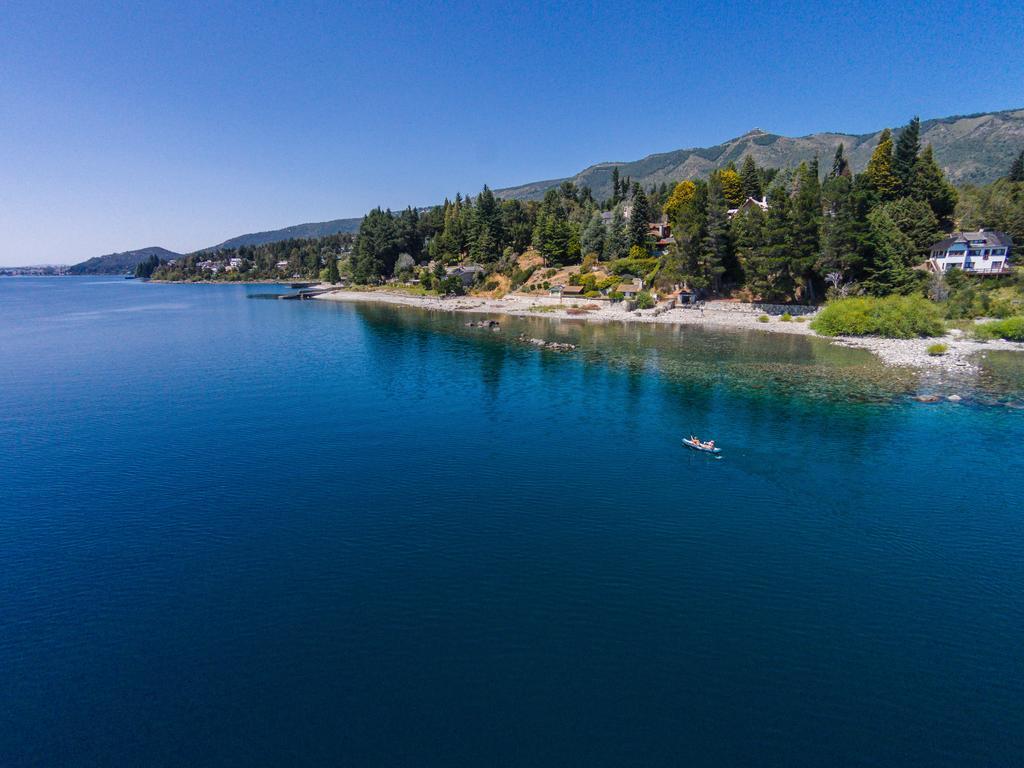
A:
(698, 447)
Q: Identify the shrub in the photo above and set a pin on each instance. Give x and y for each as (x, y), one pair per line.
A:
(937, 349)
(644, 300)
(894, 317)
(786, 317)
(1011, 329)
(763, 319)
(800, 319)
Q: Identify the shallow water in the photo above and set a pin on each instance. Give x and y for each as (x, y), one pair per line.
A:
(266, 532)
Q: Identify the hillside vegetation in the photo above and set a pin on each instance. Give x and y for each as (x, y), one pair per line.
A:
(971, 149)
(120, 263)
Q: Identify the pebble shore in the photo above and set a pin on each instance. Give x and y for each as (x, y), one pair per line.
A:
(959, 357)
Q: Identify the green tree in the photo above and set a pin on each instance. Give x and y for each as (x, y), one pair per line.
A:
(915, 219)
(768, 268)
(639, 219)
(715, 252)
(376, 248)
(930, 185)
(750, 178)
(592, 237)
(840, 165)
(879, 171)
(748, 237)
(894, 254)
(805, 228)
(616, 244)
(615, 186)
(904, 159)
(845, 235)
(333, 277)
(1017, 169)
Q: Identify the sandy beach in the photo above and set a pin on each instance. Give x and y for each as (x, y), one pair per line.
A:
(715, 314)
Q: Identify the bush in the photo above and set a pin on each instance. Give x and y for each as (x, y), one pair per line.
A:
(786, 317)
(800, 319)
(763, 319)
(644, 300)
(894, 317)
(935, 350)
(1011, 329)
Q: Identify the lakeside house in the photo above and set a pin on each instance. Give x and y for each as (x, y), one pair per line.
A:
(467, 273)
(566, 291)
(631, 289)
(985, 252)
(661, 233)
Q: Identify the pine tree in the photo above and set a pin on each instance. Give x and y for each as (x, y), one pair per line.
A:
(879, 171)
(488, 215)
(616, 243)
(715, 251)
(615, 186)
(750, 178)
(930, 185)
(748, 237)
(915, 219)
(805, 224)
(333, 277)
(840, 165)
(908, 145)
(768, 273)
(639, 218)
(844, 227)
(890, 271)
(1017, 169)
(485, 248)
(592, 237)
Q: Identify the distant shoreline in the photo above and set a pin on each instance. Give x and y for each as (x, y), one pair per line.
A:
(716, 315)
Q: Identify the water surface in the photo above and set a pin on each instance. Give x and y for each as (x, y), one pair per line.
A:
(243, 532)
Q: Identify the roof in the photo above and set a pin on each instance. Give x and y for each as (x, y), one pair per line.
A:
(572, 289)
(990, 236)
(627, 288)
(467, 269)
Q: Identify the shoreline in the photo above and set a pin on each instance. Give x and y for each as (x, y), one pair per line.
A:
(716, 315)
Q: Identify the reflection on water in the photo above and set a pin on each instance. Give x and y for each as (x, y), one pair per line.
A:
(752, 362)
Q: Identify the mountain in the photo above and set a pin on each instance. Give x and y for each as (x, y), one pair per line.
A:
(972, 149)
(313, 229)
(119, 263)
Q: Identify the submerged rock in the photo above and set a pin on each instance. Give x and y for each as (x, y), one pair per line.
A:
(954, 398)
(927, 398)
(558, 346)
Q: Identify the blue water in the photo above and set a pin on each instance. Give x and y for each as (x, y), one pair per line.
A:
(244, 532)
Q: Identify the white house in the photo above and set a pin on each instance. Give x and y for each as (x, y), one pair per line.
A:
(984, 252)
(750, 202)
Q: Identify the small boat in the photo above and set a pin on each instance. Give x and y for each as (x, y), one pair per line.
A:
(699, 446)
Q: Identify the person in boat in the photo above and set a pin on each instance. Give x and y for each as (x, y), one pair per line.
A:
(711, 443)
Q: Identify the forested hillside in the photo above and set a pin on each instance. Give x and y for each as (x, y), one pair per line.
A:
(120, 263)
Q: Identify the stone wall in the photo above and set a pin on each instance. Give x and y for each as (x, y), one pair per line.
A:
(761, 309)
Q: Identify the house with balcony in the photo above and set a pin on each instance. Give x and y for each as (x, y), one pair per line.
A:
(985, 252)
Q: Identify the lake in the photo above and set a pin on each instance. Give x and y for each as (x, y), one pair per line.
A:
(247, 532)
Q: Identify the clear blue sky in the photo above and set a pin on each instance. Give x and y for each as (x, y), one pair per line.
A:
(180, 124)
